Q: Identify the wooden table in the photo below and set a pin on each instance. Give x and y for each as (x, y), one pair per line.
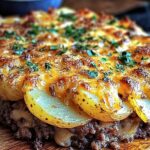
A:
(109, 6)
(8, 142)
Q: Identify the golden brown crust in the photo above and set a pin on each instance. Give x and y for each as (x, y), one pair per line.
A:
(64, 51)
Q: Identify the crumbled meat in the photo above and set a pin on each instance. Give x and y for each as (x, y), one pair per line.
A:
(23, 133)
(36, 133)
(94, 135)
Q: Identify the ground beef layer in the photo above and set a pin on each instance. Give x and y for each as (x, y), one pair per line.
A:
(94, 135)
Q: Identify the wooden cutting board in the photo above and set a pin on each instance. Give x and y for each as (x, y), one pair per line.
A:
(8, 142)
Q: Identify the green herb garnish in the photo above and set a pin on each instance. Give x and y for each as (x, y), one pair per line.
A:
(54, 47)
(19, 38)
(86, 47)
(119, 67)
(35, 30)
(91, 53)
(83, 39)
(126, 59)
(111, 22)
(144, 58)
(75, 33)
(106, 76)
(47, 66)
(52, 29)
(80, 46)
(9, 34)
(92, 74)
(103, 59)
(67, 16)
(32, 66)
(94, 18)
(63, 50)
(18, 48)
(104, 39)
(114, 43)
(121, 27)
(34, 41)
(109, 54)
(93, 64)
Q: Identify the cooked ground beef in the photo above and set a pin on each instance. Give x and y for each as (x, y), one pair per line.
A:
(94, 135)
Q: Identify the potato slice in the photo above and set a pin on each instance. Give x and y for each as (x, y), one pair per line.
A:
(141, 107)
(109, 98)
(53, 111)
(91, 104)
(123, 113)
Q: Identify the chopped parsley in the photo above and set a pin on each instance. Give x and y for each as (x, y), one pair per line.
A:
(88, 48)
(104, 39)
(18, 48)
(106, 76)
(9, 34)
(63, 50)
(103, 59)
(111, 22)
(121, 27)
(80, 46)
(109, 54)
(114, 43)
(67, 16)
(52, 29)
(12, 34)
(83, 39)
(34, 41)
(144, 58)
(35, 30)
(19, 38)
(92, 74)
(54, 47)
(75, 33)
(93, 64)
(94, 18)
(32, 66)
(126, 59)
(119, 67)
(91, 53)
(47, 66)
(60, 48)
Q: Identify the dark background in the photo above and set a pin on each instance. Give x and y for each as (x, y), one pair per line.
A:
(137, 10)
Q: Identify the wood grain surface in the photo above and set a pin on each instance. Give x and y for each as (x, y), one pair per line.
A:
(108, 6)
(8, 142)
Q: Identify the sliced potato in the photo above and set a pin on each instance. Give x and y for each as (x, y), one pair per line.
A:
(141, 107)
(123, 113)
(53, 111)
(90, 104)
(109, 98)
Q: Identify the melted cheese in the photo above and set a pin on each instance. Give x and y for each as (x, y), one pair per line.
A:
(63, 50)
